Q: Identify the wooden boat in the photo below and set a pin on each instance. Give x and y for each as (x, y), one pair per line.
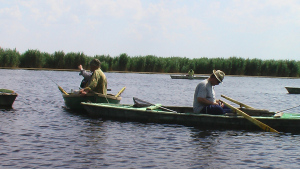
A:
(188, 77)
(72, 101)
(293, 90)
(285, 122)
(7, 97)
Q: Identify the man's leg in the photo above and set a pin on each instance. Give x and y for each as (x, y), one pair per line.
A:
(213, 109)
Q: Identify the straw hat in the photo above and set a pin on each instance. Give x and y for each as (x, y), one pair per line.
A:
(219, 75)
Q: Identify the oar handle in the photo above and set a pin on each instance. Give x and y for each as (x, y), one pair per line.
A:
(60, 88)
(236, 102)
(120, 91)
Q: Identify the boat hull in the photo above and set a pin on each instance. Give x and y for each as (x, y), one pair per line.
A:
(293, 90)
(188, 77)
(7, 98)
(72, 101)
(127, 112)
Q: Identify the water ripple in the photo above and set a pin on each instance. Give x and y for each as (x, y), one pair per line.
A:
(39, 133)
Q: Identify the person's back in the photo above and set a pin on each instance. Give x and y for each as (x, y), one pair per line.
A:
(204, 97)
(205, 90)
(87, 75)
(98, 82)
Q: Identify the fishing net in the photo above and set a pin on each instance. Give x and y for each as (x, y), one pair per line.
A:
(140, 103)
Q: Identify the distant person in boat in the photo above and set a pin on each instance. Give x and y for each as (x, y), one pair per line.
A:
(98, 81)
(87, 75)
(191, 73)
(204, 97)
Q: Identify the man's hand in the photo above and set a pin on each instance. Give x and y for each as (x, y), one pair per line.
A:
(82, 92)
(220, 103)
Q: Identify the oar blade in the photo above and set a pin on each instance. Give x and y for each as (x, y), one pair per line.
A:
(251, 119)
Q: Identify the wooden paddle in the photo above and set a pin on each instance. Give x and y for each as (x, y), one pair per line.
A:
(120, 91)
(251, 119)
(60, 88)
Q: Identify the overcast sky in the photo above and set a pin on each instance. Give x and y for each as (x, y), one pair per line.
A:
(264, 29)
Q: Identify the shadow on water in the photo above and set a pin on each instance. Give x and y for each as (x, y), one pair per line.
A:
(6, 108)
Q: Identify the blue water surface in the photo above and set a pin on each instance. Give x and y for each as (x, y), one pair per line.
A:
(40, 133)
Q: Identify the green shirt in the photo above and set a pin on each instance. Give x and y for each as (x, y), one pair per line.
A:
(191, 73)
(98, 82)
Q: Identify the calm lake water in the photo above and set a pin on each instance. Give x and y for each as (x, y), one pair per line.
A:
(39, 133)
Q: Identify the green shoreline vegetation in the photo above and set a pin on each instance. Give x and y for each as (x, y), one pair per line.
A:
(35, 59)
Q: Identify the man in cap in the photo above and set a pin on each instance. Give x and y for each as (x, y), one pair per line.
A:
(204, 98)
(98, 81)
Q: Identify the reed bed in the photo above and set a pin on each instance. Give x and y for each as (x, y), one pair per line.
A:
(150, 63)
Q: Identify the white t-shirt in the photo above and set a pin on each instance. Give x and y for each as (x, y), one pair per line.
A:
(205, 90)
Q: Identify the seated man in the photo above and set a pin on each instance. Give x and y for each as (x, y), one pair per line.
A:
(204, 98)
(87, 75)
(191, 73)
(98, 81)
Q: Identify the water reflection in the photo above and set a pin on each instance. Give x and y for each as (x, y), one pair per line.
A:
(39, 133)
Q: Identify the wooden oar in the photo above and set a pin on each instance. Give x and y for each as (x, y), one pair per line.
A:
(251, 119)
(120, 91)
(155, 105)
(239, 103)
(60, 88)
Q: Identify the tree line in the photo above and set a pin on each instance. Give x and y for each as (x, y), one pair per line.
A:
(150, 63)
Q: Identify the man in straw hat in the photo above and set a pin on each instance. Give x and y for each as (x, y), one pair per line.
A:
(98, 81)
(204, 98)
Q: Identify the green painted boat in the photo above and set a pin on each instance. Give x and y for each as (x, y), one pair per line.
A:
(72, 100)
(293, 90)
(187, 77)
(285, 122)
(7, 97)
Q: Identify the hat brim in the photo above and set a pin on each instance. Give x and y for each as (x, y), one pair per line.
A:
(214, 72)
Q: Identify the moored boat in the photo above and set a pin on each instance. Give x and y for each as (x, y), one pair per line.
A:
(293, 90)
(286, 122)
(187, 77)
(7, 97)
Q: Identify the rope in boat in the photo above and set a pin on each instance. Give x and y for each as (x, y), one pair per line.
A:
(106, 98)
(288, 108)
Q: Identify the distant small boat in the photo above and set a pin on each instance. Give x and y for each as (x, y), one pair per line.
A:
(293, 90)
(188, 77)
(7, 97)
